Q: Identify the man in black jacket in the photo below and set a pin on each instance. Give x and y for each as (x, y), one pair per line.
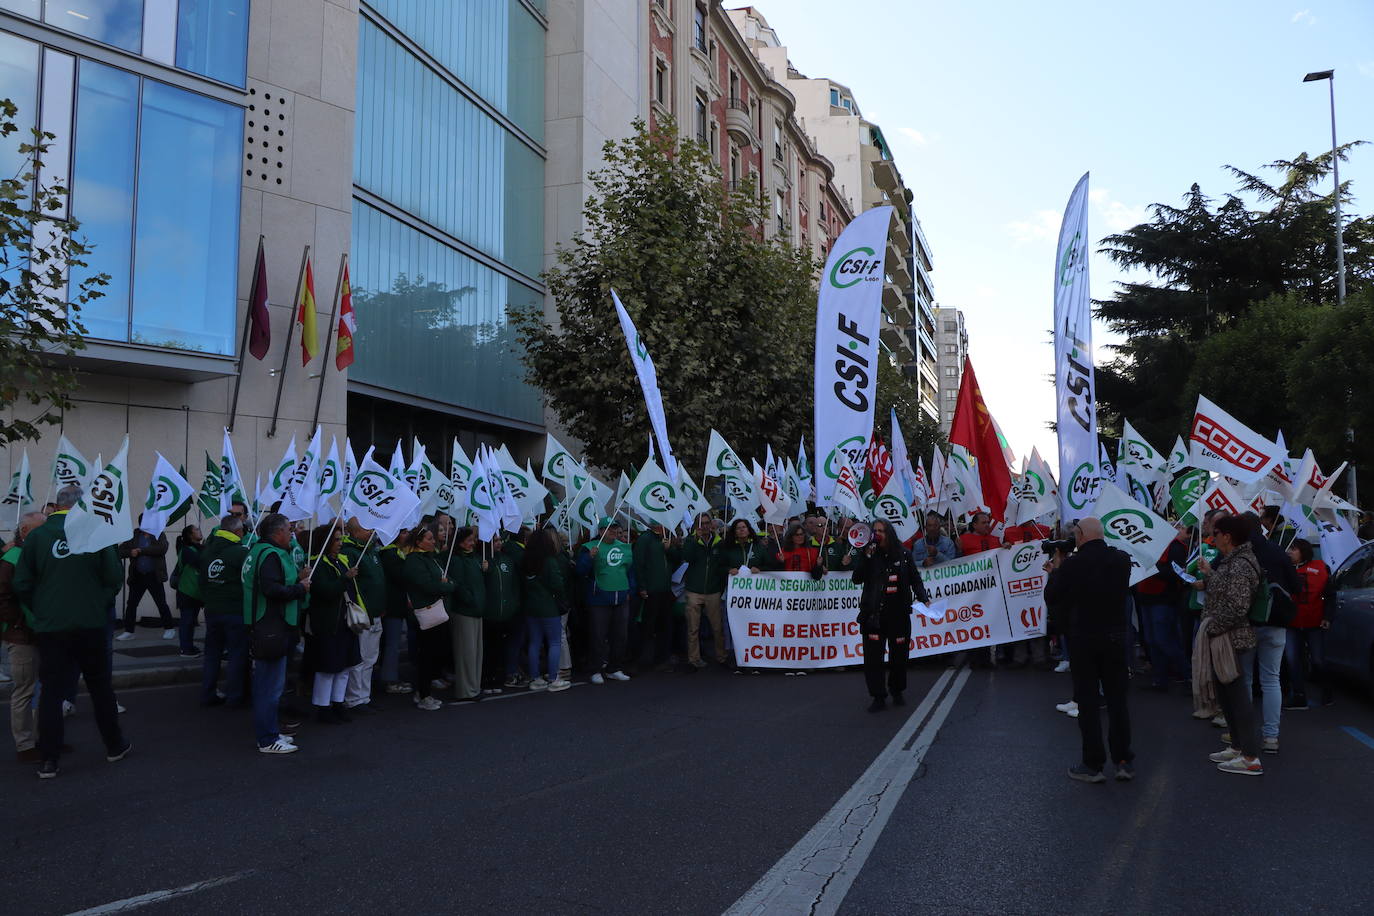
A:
(1092, 584)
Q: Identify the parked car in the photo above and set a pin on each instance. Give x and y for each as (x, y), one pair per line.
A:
(1350, 641)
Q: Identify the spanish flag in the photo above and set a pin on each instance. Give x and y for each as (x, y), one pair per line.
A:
(305, 317)
(348, 325)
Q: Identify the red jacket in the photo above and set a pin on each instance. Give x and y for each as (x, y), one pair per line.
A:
(1030, 531)
(1311, 601)
(971, 543)
(802, 559)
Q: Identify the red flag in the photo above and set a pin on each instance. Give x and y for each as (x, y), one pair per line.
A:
(348, 326)
(879, 464)
(973, 428)
(259, 321)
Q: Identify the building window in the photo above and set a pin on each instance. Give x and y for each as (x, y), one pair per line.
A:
(212, 38)
(951, 395)
(951, 327)
(715, 140)
(952, 371)
(835, 97)
(952, 349)
(848, 105)
(114, 22)
(661, 82)
(734, 168)
(701, 118)
(822, 212)
(780, 210)
(155, 185)
(699, 27)
(777, 140)
(734, 88)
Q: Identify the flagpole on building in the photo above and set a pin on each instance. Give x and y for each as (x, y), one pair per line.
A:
(328, 336)
(243, 340)
(286, 350)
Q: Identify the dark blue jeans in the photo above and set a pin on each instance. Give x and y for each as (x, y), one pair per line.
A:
(188, 610)
(268, 680)
(544, 633)
(1302, 646)
(1161, 637)
(224, 632)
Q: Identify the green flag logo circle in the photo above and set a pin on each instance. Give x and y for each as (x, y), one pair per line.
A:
(640, 350)
(1081, 485)
(164, 496)
(860, 268)
(657, 497)
(1072, 256)
(1023, 558)
(1129, 525)
(375, 488)
(850, 447)
(892, 508)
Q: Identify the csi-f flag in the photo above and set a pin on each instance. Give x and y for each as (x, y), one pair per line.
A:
(691, 501)
(1075, 387)
(1219, 442)
(70, 468)
(378, 500)
(231, 480)
(100, 518)
(653, 495)
(648, 382)
(167, 492)
(892, 507)
(300, 497)
(20, 492)
(558, 463)
(280, 477)
(1133, 528)
(848, 317)
(330, 481)
(210, 489)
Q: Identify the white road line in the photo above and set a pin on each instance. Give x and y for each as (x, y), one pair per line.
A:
(133, 903)
(814, 876)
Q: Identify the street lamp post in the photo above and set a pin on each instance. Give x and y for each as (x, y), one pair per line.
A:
(1330, 77)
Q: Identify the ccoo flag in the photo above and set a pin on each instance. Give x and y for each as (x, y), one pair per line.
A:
(848, 316)
(1075, 390)
(648, 381)
(1219, 442)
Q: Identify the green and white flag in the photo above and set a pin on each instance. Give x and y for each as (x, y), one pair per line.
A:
(184, 509)
(460, 475)
(301, 495)
(330, 482)
(648, 383)
(963, 486)
(167, 492)
(589, 503)
(1178, 457)
(558, 462)
(397, 467)
(378, 500)
(654, 496)
(1129, 526)
(210, 490)
(70, 468)
(891, 506)
(721, 461)
(100, 518)
(232, 484)
(693, 503)
(20, 492)
(280, 477)
(1187, 489)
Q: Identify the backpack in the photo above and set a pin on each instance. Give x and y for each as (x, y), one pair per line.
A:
(1270, 605)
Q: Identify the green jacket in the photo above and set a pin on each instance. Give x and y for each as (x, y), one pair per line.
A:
(544, 593)
(394, 566)
(186, 572)
(736, 556)
(327, 588)
(63, 590)
(255, 599)
(469, 598)
(502, 587)
(423, 579)
(371, 581)
(654, 563)
(1194, 596)
(705, 575)
(221, 573)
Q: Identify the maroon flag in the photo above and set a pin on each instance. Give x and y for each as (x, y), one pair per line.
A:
(259, 322)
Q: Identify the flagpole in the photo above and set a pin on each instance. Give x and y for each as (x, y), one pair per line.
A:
(370, 538)
(243, 340)
(328, 335)
(327, 537)
(286, 350)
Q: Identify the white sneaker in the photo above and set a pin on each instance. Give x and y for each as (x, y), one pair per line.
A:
(400, 687)
(1222, 756)
(68, 708)
(1219, 720)
(558, 685)
(287, 738)
(429, 704)
(1061, 668)
(279, 747)
(119, 708)
(440, 683)
(538, 684)
(5, 678)
(618, 676)
(1067, 708)
(169, 634)
(598, 679)
(122, 637)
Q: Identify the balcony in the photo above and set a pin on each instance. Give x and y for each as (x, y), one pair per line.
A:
(738, 122)
(885, 175)
(897, 238)
(896, 265)
(897, 307)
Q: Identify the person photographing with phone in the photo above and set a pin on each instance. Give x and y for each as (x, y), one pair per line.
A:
(891, 582)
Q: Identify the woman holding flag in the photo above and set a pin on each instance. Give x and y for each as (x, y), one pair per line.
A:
(331, 644)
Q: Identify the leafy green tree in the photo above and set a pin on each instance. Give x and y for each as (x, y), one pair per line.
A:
(1331, 387)
(727, 315)
(897, 392)
(40, 318)
(1212, 263)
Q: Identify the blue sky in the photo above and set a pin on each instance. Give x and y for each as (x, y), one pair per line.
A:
(994, 109)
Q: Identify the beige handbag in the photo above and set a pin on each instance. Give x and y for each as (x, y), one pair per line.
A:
(430, 617)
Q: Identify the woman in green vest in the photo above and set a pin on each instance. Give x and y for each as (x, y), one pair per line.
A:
(331, 644)
(186, 581)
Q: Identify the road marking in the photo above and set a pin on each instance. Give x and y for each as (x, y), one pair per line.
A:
(815, 875)
(1358, 735)
(133, 903)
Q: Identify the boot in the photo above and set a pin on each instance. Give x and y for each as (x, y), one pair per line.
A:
(341, 713)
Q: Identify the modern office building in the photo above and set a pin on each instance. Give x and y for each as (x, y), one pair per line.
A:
(951, 349)
(866, 176)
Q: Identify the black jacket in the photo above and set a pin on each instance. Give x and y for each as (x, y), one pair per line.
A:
(1280, 571)
(1092, 585)
(880, 611)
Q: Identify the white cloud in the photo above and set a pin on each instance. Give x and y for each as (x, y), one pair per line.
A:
(1113, 215)
(914, 135)
(1305, 17)
(1043, 225)
(1366, 68)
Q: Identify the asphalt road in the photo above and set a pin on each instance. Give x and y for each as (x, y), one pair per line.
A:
(675, 794)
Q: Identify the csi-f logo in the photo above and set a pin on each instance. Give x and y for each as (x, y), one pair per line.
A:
(375, 488)
(60, 549)
(163, 496)
(657, 497)
(641, 351)
(107, 495)
(1129, 525)
(852, 368)
(557, 467)
(69, 471)
(329, 478)
(1082, 485)
(215, 571)
(1072, 262)
(850, 448)
(855, 266)
(1139, 452)
(1023, 558)
(891, 508)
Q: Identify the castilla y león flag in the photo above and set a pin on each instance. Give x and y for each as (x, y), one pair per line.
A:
(348, 325)
(973, 428)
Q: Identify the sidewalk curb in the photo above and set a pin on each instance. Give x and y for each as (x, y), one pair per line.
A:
(129, 678)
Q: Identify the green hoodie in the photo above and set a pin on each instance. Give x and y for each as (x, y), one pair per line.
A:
(221, 573)
(469, 597)
(63, 590)
(705, 574)
(654, 564)
(544, 592)
(371, 581)
(254, 601)
(502, 587)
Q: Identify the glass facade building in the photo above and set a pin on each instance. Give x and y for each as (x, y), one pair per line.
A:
(448, 230)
